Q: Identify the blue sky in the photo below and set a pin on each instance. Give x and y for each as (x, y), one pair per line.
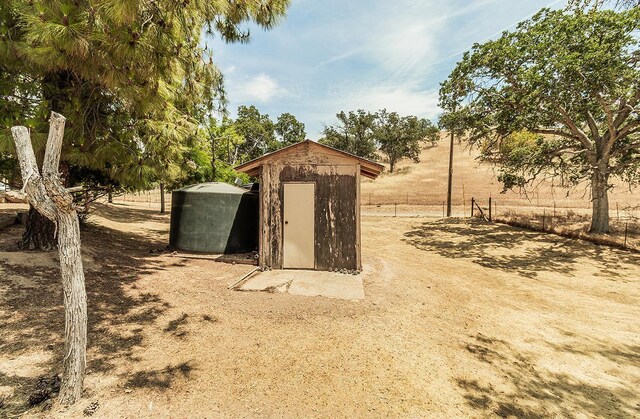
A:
(333, 55)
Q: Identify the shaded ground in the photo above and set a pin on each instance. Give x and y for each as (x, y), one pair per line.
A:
(460, 319)
(32, 316)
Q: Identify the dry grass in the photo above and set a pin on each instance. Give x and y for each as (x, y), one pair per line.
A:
(461, 319)
(624, 234)
(420, 190)
(425, 184)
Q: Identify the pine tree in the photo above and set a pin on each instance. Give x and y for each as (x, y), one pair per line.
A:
(128, 75)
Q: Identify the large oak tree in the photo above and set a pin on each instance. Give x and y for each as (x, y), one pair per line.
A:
(559, 96)
(402, 137)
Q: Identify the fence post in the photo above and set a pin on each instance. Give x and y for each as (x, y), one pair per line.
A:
(395, 208)
(544, 216)
(617, 212)
(443, 209)
(626, 227)
(490, 204)
(473, 202)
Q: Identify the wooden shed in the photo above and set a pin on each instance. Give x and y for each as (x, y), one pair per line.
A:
(310, 206)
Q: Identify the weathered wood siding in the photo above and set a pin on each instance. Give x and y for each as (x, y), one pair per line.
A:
(337, 212)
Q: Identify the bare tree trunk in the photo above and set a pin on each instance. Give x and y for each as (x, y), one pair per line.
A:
(392, 164)
(39, 233)
(600, 200)
(450, 181)
(75, 303)
(162, 209)
(47, 195)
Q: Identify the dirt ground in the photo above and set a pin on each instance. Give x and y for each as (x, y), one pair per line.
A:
(460, 319)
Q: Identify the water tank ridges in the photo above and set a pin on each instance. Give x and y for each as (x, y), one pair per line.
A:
(214, 217)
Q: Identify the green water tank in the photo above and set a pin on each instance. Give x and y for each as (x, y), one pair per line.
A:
(214, 217)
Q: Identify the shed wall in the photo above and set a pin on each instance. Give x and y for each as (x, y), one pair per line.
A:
(336, 212)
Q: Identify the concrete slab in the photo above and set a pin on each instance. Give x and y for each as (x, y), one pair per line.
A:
(308, 283)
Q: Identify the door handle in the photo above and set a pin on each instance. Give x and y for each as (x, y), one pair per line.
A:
(286, 222)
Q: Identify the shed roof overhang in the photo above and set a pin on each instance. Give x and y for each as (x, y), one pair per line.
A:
(368, 168)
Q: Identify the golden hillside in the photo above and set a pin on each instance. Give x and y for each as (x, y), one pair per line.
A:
(425, 183)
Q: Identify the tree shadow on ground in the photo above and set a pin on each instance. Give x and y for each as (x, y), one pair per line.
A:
(511, 249)
(537, 393)
(177, 326)
(160, 379)
(124, 214)
(33, 316)
(590, 347)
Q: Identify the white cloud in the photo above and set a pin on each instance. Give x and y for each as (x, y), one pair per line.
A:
(405, 99)
(261, 88)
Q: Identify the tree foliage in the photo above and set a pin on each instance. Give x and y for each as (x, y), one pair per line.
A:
(257, 130)
(400, 137)
(219, 145)
(354, 133)
(559, 96)
(289, 130)
(261, 135)
(597, 4)
(365, 134)
(132, 77)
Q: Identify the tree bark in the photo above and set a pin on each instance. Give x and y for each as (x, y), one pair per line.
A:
(39, 233)
(392, 164)
(49, 197)
(600, 200)
(162, 209)
(75, 303)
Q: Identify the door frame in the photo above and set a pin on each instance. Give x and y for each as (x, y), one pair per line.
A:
(288, 182)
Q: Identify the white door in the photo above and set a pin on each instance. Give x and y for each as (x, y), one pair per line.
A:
(299, 217)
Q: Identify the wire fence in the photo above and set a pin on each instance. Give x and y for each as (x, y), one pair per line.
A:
(148, 199)
(559, 218)
(624, 219)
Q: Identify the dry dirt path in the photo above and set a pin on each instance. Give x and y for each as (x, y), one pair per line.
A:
(460, 320)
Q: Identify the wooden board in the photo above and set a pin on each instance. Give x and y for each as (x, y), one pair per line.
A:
(336, 213)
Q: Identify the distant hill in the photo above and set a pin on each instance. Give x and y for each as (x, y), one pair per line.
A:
(425, 183)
